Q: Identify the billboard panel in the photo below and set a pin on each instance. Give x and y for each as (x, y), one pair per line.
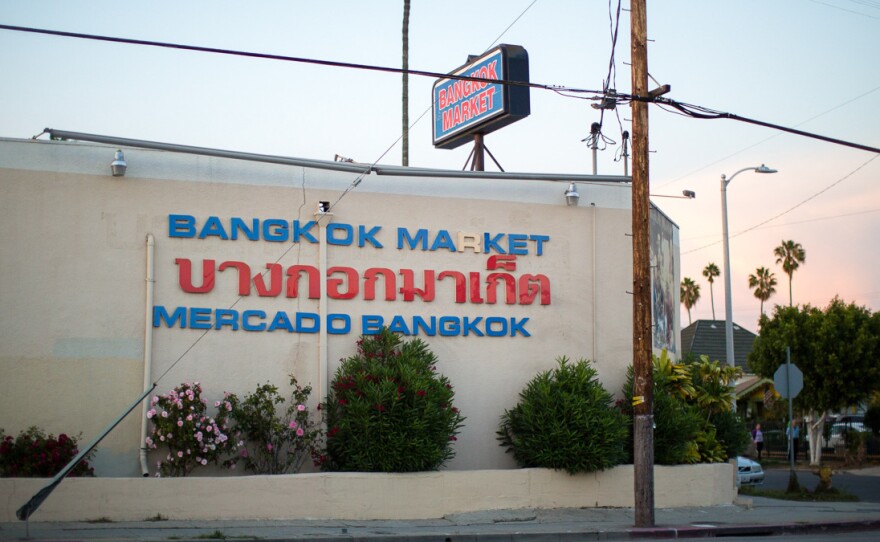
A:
(463, 108)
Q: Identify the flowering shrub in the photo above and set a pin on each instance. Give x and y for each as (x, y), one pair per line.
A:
(565, 420)
(181, 425)
(388, 410)
(35, 454)
(274, 443)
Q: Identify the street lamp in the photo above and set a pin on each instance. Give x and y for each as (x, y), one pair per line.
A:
(728, 308)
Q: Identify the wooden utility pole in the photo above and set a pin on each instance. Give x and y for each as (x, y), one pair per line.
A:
(643, 382)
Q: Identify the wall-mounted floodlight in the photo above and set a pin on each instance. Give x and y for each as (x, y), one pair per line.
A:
(571, 195)
(118, 165)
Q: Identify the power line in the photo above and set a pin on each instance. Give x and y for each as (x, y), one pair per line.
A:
(795, 223)
(753, 145)
(700, 112)
(690, 110)
(266, 56)
(847, 10)
(790, 209)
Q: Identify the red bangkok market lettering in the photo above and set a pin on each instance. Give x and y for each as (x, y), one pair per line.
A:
(345, 282)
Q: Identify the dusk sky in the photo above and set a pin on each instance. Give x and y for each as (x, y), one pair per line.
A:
(808, 64)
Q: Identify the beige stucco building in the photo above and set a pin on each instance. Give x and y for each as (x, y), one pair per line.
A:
(207, 268)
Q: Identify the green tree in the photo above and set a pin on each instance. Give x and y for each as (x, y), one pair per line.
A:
(710, 272)
(836, 349)
(690, 293)
(791, 255)
(764, 284)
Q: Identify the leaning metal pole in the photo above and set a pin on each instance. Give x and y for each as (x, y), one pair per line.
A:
(28, 508)
(643, 396)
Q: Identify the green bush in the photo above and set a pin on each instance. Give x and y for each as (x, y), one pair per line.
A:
(731, 432)
(276, 440)
(677, 424)
(565, 420)
(388, 410)
(35, 454)
(872, 418)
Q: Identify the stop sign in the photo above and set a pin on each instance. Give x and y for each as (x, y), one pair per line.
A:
(788, 379)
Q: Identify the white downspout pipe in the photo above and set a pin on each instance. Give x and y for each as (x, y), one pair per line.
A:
(323, 217)
(148, 350)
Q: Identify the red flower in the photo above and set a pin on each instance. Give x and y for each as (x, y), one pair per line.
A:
(421, 393)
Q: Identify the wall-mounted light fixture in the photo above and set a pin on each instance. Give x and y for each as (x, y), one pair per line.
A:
(571, 195)
(323, 207)
(118, 165)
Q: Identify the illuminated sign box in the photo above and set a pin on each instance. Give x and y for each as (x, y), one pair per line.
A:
(463, 108)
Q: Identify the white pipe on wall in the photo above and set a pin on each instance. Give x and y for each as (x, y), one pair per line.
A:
(323, 218)
(148, 350)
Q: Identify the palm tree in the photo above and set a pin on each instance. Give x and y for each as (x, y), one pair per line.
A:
(404, 161)
(764, 284)
(710, 272)
(791, 255)
(690, 293)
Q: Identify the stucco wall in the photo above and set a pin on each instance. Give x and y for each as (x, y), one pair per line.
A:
(72, 281)
(361, 496)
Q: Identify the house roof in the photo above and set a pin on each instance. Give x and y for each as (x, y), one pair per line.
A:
(708, 337)
(746, 385)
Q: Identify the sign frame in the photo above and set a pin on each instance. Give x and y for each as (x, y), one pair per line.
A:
(464, 108)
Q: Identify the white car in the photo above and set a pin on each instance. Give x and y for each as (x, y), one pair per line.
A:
(837, 435)
(748, 472)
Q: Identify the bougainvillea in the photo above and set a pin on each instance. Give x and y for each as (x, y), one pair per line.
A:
(35, 454)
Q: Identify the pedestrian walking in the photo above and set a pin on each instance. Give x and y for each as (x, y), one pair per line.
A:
(758, 439)
(794, 434)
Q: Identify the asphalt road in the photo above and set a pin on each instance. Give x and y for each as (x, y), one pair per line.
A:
(865, 488)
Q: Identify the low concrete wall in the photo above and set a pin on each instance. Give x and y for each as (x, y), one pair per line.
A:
(361, 496)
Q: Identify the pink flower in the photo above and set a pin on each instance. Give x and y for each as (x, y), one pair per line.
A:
(179, 423)
(209, 429)
(151, 413)
(292, 424)
(164, 414)
(300, 407)
(269, 446)
(204, 461)
(300, 432)
(179, 454)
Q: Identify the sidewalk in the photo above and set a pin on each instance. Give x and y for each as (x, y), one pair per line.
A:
(749, 516)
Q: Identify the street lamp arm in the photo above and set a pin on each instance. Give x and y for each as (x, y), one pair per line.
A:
(757, 169)
(728, 179)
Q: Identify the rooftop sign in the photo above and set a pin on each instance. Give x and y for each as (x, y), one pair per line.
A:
(463, 108)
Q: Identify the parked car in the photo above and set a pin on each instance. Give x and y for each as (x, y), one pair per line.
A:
(748, 472)
(837, 434)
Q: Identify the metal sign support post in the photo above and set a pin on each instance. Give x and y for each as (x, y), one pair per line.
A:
(793, 485)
